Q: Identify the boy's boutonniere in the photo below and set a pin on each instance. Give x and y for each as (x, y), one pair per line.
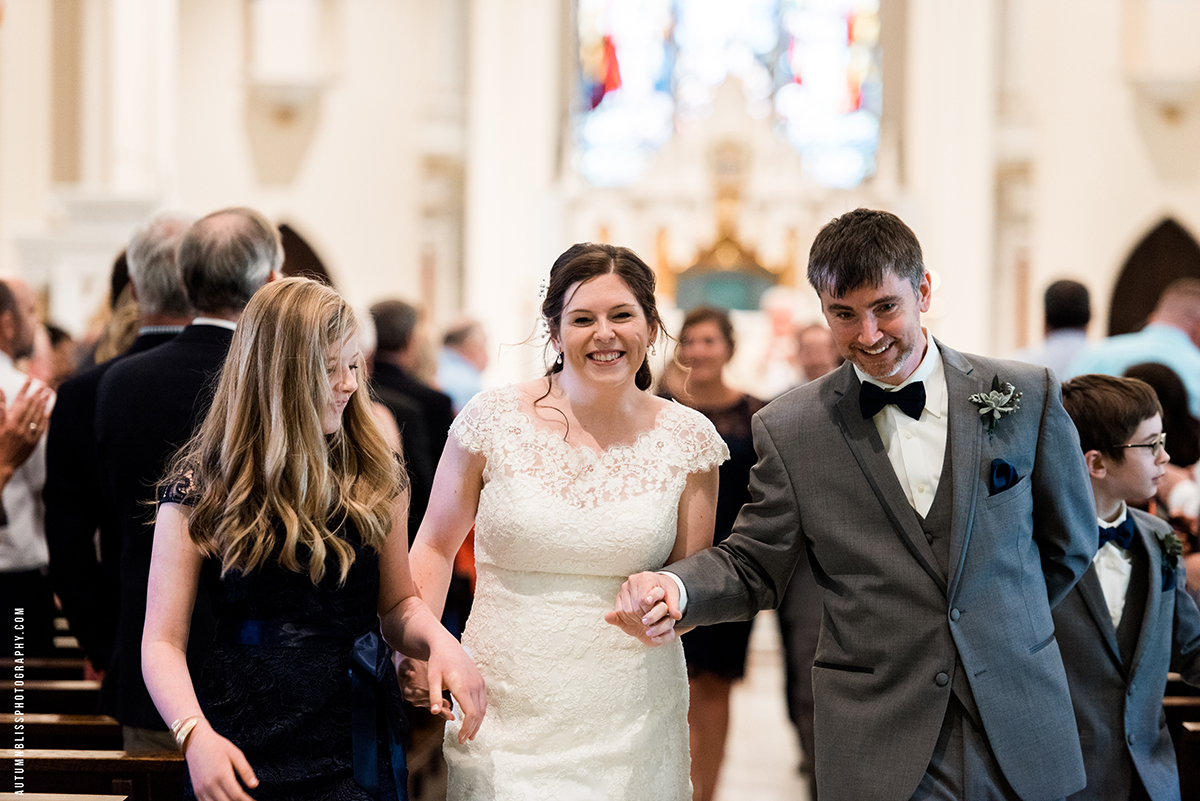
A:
(1000, 401)
(1172, 549)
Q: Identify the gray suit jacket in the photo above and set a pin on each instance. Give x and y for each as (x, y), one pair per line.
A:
(1118, 707)
(893, 625)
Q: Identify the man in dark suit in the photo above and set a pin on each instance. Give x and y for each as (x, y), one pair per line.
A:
(148, 405)
(88, 584)
(940, 538)
(399, 347)
(1130, 619)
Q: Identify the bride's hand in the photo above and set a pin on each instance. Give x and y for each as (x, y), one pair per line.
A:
(646, 608)
(450, 666)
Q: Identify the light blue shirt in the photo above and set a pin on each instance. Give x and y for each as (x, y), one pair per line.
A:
(458, 378)
(1057, 352)
(1164, 344)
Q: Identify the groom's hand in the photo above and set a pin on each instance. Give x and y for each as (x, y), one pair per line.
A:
(646, 608)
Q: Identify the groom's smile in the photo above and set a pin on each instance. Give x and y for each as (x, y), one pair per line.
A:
(879, 328)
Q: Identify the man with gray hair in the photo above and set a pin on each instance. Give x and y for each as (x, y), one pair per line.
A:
(85, 579)
(148, 405)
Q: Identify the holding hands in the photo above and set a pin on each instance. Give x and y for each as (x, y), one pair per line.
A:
(646, 608)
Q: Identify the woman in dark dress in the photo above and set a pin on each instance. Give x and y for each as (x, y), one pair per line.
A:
(290, 506)
(716, 655)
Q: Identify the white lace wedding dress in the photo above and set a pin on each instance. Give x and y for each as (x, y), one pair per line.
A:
(577, 709)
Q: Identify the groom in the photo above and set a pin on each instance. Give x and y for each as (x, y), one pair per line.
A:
(940, 538)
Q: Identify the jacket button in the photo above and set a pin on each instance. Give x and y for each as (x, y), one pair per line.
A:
(941, 679)
(1129, 739)
(954, 614)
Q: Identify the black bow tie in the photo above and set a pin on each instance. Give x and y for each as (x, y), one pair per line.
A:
(911, 399)
(1121, 534)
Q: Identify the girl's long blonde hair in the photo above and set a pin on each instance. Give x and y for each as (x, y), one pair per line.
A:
(261, 466)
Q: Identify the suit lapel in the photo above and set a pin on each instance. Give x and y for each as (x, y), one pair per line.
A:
(966, 433)
(863, 440)
(1093, 599)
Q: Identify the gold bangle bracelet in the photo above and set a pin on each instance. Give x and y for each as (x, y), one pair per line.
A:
(182, 728)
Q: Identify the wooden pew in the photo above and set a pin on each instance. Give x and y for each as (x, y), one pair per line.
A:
(64, 697)
(76, 732)
(141, 777)
(48, 667)
(1187, 753)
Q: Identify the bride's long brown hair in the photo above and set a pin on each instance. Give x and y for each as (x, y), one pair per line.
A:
(265, 472)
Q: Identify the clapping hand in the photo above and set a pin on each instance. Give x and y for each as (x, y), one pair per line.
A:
(646, 608)
(22, 424)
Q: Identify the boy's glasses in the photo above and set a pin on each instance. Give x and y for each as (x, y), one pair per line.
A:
(1155, 445)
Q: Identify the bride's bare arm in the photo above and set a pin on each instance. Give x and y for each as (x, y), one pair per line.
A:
(453, 502)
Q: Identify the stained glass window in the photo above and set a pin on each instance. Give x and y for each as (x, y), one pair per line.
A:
(650, 67)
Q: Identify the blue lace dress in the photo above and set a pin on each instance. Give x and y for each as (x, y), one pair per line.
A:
(299, 678)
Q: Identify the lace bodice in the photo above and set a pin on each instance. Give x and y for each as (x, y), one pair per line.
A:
(576, 708)
(558, 507)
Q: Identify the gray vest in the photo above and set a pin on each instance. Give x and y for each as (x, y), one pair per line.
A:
(936, 526)
(1135, 603)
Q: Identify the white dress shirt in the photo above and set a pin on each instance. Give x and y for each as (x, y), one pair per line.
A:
(1114, 566)
(916, 448)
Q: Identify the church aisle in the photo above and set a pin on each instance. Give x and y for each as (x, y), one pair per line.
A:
(762, 752)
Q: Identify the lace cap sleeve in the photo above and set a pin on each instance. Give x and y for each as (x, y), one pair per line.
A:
(702, 447)
(183, 490)
(475, 425)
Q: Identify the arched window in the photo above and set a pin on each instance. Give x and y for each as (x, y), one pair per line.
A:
(650, 67)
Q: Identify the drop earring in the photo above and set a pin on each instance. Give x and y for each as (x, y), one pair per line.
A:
(558, 361)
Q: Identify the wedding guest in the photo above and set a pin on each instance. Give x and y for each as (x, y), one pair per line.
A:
(799, 611)
(86, 578)
(461, 362)
(149, 404)
(1129, 620)
(1067, 311)
(816, 352)
(24, 557)
(1171, 337)
(289, 505)
(569, 480)
(940, 538)
(716, 655)
(400, 347)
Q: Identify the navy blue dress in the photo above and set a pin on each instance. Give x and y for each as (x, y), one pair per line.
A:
(300, 680)
(721, 649)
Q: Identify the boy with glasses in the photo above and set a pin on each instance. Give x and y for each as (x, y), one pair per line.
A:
(1129, 620)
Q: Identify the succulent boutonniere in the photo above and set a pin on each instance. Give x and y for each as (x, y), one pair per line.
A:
(1172, 549)
(1000, 401)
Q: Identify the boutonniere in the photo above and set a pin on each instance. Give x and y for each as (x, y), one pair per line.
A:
(1000, 401)
(1172, 549)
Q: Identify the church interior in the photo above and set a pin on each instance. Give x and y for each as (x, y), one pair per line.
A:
(446, 152)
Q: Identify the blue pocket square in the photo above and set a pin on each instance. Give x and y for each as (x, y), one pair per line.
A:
(1004, 475)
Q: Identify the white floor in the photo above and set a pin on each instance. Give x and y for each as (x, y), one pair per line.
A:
(762, 753)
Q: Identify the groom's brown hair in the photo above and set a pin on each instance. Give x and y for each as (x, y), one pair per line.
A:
(860, 248)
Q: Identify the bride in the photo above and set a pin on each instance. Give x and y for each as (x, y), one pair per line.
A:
(573, 482)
